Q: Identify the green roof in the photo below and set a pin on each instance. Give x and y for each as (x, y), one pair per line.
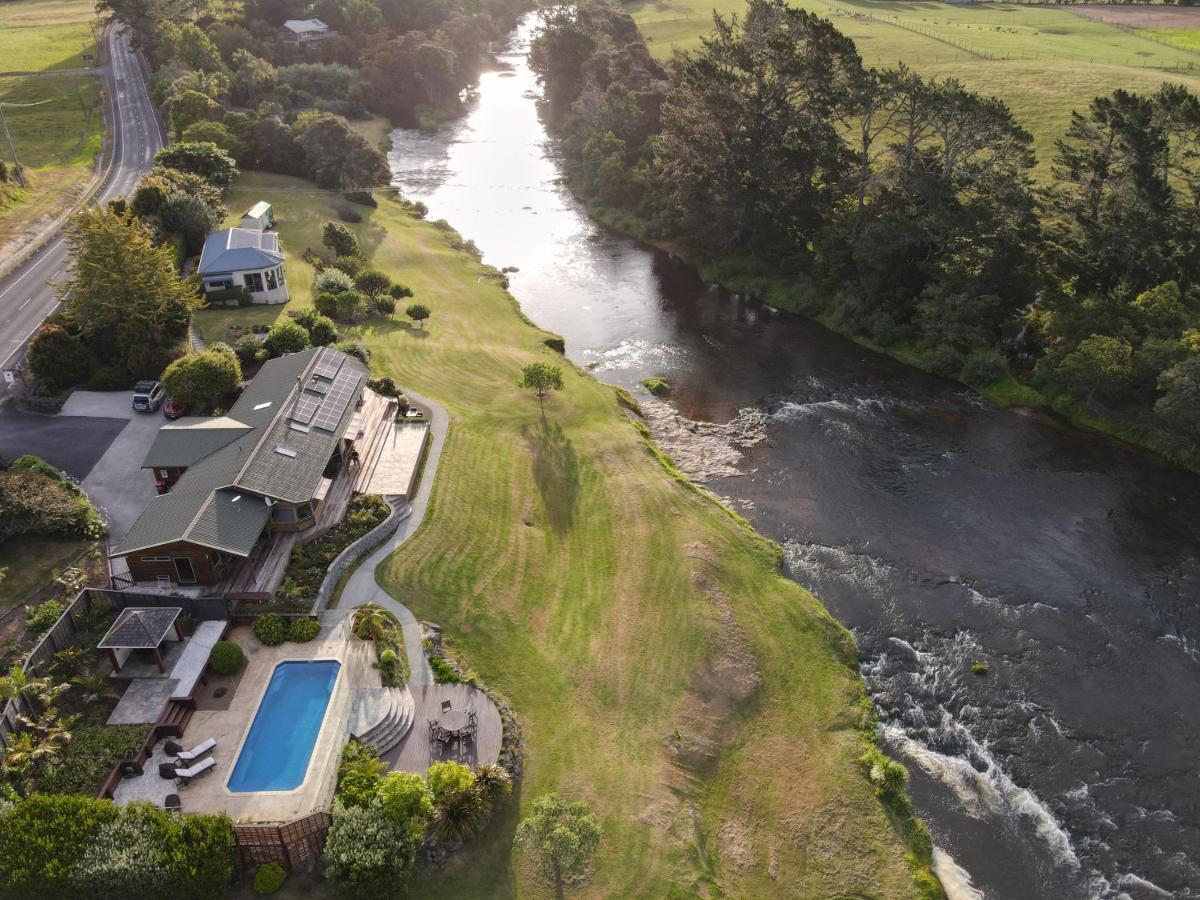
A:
(220, 501)
(186, 441)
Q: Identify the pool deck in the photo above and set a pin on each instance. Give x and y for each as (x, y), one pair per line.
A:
(210, 794)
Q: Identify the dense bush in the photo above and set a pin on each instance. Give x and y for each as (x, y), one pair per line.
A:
(50, 505)
(372, 283)
(323, 332)
(226, 657)
(355, 349)
(90, 756)
(269, 878)
(405, 797)
(59, 358)
(40, 618)
(360, 773)
(351, 306)
(249, 350)
(303, 630)
(332, 281)
(368, 855)
(385, 306)
(384, 386)
(201, 379)
(984, 367)
(127, 859)
(340, 239)
(448, 776)
(443, 672)
(271, 629)
(285, 337)
(42, 838)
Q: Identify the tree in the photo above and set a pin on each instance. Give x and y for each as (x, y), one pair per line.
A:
(205, 159)
(541, 378)
(367, 854)
(1101, 366)
(340, 239)
(196, 50)
(214, 133)
(351, 306)
(252, 77)
(59, 358)
(459, 815)
(1179, 405)
(371, 620)
(561, 837)
(285, 337)
(191, 107)
(336, 156)
(188, 216)
(448, 777)
(418, 312)
(372, 283)
(322, 332)
(124, 294)
(201, 379)
(332, 280)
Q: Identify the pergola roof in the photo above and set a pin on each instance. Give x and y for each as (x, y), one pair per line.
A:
(140, 628)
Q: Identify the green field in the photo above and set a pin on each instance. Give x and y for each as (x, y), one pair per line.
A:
(1042, 60)
(615, 607)
(39, 35)
(1187, 38)
(31, 562)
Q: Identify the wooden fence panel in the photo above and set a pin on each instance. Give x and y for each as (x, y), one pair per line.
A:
(294, 845)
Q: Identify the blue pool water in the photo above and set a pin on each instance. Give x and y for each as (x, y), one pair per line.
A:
(280, 743)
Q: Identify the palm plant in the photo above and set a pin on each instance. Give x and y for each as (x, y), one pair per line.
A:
(20, 685)
(71, 661)
(93, 688)
(372, 620)
(493, 783)
(460, 815)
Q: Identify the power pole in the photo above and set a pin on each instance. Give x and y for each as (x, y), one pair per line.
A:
(12, 149)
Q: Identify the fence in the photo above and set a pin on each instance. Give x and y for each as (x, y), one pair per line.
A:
(293, 845)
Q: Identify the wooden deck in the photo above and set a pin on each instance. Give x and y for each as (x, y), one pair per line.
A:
(375, 419)
(417, 750)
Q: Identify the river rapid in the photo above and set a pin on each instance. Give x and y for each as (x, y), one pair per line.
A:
(943, 531)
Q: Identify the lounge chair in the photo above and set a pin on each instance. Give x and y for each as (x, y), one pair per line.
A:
(186, 776)
(187, 756)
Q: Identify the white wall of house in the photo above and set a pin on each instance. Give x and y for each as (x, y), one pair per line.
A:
(265, 285)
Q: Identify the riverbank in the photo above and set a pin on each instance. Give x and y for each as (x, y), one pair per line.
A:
(663, 669)
(752, 279)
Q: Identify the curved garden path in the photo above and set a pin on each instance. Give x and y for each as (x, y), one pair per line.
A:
(362, 587)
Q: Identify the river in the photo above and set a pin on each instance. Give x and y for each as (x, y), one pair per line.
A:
(943, 531)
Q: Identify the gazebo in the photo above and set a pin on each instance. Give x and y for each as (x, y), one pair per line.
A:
(141, 628)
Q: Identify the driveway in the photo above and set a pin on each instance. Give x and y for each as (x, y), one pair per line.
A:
(72, 444)
(117, 483)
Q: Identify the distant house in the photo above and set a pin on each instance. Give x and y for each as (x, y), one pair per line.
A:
(304, 32)
(258, 217)
(244, 258)
(231, 481)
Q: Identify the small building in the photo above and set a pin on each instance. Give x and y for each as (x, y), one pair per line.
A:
(304, 32)
(228, 483)
(143, 628)
(244, 258)
(259, 217)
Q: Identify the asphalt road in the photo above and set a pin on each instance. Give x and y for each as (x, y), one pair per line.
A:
(27, 295)
(72, 443)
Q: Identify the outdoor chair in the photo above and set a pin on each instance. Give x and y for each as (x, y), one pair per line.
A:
(443, 737)
(187, 756)
(172, 803)
(447, 706)
(186, 776)
(166, 770)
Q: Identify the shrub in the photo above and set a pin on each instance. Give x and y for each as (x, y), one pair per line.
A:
(226, 657)
(303, 630)
(493, 783)
(447, 777)
(326, 304)
(285, 337)
(460, 815)
(322, 332)
(360, 773)
(405, 797)
(984, 367)
(40, 618)
(557, 344)
(221, 347)
(201, 379)
(561, 838)
(269, 878)
(30, 463)
(362, 198)
(384, 386)
(59, 358)
(418, 312)
(367, 854)
(34, 503)
(978, 668)
(249, 350)
(41, 839)
(90, 756)
(127, 858)
(443, 672)
(271, 629)
(400, 291)
(385, 306)
(372, 283)
(340, 239)
(332, 281)
(355, 349)
(351, 306)
(108, 378)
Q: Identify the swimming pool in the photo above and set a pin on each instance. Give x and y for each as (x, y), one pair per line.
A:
(280, 744)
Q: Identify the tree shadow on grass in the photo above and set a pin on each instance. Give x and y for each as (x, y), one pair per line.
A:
(555, 472)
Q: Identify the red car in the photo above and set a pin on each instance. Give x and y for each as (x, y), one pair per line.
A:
(172, 409)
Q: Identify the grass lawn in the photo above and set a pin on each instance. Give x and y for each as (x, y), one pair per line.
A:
(36, 35)
(626, 616)
(1187, 38)
(1059, 60)
(30, 562)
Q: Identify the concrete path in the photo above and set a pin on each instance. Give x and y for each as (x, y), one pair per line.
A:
(362, 587)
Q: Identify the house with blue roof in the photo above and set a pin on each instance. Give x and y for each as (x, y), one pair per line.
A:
(246, 258)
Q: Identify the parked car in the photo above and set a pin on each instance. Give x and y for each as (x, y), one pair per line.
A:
(148, 396)
(173, 409)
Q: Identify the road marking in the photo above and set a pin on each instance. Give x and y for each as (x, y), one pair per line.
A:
(25, 304)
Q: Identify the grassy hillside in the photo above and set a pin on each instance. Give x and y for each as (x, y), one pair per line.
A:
(57, 141)
(662, 668)
(1043, 61)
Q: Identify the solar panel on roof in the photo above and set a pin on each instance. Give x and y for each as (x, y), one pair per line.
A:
(317, 387)
(341, 392)
(305, 408)
(329, 364)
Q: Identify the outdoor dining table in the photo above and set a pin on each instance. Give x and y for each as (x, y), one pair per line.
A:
(453, 720)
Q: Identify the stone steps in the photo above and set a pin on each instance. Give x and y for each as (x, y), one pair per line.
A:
(382, 716)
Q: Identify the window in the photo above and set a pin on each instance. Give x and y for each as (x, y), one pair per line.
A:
(156, 559)
(282, 280)
(162, 473)
(254, 282)
(271, 285)
(304, 511)
(218, 284)
(283, 514)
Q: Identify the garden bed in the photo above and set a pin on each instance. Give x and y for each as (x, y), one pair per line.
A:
(309, 563)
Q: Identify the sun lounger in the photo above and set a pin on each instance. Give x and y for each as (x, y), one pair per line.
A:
(196, 752)
(185, 776)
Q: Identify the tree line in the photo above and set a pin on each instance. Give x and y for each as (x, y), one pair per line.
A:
(901, 208)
